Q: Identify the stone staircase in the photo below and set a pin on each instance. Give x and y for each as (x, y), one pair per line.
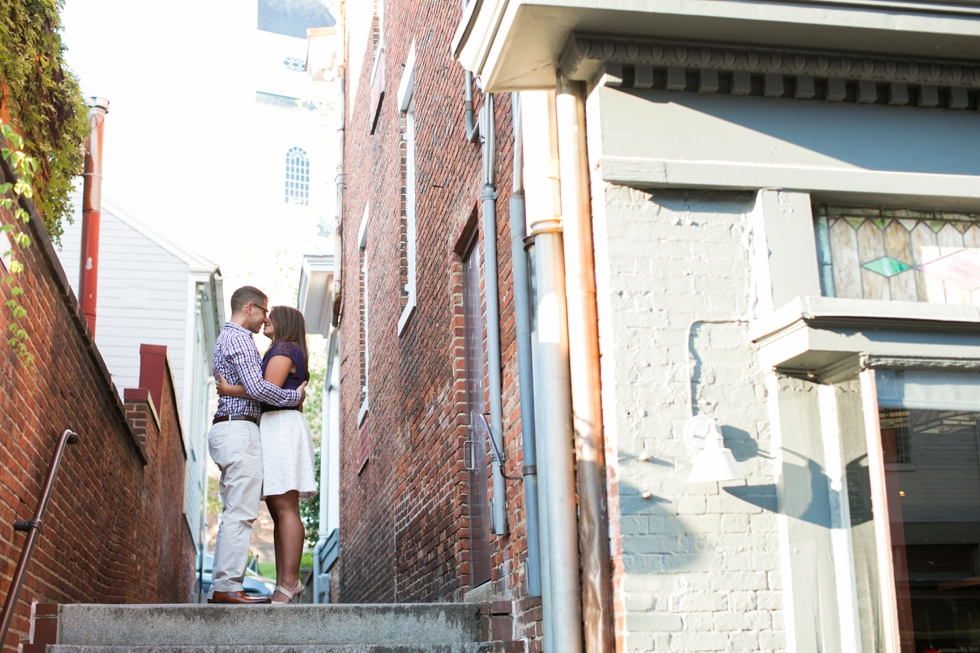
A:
(336, 628)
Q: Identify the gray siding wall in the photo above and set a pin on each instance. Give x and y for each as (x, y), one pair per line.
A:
(702, 563)
(143, 298)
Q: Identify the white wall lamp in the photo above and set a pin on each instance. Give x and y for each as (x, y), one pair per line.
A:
(713, 461)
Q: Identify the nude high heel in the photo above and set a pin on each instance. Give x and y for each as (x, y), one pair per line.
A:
(289, 595)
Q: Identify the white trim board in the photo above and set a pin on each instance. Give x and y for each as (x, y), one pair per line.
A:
(911, 190)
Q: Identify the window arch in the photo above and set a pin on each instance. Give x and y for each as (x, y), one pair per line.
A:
(297, 176)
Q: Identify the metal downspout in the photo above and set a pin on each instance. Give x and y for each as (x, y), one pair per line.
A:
(583, 343)
(553, 408)
(522, 310)
(472, 126)
(477, 131)
(490, 281)
(88, 275)
(543, 540)
(322, 533)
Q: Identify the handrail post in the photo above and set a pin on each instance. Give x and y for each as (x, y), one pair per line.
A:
(33, 529)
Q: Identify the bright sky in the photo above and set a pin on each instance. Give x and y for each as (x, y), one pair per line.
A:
(179, 129)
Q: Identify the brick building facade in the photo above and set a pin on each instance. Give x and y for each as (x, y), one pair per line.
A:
(113, 532)
(758, 329)
(405, 498)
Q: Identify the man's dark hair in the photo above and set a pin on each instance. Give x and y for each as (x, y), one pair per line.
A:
(241, 297)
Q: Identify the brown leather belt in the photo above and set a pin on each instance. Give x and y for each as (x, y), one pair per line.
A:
(235, 418)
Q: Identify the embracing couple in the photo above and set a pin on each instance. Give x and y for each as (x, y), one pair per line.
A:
(260, 442)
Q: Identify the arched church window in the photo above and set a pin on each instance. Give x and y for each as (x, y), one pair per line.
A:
(297, 176)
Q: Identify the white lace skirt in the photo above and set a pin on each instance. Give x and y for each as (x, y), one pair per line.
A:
(287, 454)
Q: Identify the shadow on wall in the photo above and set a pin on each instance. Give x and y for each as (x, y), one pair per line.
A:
(849, 133)
(693, 199)
(662, 541)
(668, 543)
(806, 492)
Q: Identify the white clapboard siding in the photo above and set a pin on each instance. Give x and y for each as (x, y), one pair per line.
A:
(148, 294)
(143, 296)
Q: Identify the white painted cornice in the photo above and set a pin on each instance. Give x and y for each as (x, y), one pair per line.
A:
(581, 50)
(516, 44)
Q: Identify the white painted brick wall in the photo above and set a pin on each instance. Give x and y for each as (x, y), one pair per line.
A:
(702, 567)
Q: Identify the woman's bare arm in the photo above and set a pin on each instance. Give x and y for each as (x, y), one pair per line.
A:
(278, 369)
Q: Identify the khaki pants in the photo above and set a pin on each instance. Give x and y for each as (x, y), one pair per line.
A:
(236, 449)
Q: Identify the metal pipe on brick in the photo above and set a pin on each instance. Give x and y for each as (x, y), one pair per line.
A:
(525, 374)
(482, 131)
(553, 406)
(490, 281)
(583, 344)
(542, 528)
(88, 276)
(331, 385)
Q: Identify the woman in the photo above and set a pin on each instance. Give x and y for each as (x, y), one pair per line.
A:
(287, 445)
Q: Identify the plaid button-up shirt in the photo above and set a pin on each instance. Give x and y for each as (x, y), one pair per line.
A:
(237, 359)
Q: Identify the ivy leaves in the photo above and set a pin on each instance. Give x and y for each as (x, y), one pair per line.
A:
(25, 168)
(41, 96)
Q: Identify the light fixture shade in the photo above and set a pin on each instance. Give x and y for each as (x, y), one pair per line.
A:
(714, 464)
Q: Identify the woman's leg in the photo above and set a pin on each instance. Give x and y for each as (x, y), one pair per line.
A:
(275, 538)
(290, 534)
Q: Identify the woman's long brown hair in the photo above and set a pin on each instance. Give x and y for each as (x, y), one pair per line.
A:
(290, 326)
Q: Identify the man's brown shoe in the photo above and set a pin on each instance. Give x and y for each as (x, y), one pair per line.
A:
(236, 597)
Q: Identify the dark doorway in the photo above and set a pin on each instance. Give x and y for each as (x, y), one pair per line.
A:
(475, 451)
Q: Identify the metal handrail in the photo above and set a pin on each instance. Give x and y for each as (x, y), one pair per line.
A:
(33, 529)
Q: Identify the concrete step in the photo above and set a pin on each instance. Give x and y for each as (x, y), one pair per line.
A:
(471, 647)
(226, 626)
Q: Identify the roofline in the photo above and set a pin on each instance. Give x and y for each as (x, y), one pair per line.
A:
(196, 262)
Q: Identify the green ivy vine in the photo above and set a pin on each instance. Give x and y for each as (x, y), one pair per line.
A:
(40, 96)
(25, 168)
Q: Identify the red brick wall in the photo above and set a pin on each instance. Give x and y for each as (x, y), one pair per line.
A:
(112, 532)
(157, 426)
(404, 525)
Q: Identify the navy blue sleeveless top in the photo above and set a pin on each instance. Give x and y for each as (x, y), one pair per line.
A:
(295, 379)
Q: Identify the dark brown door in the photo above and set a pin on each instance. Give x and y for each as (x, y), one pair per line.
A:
(475, 452)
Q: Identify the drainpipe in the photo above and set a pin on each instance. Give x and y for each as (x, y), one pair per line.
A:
(490, 280)
(330, 385)
(553, 407)
(472, 126)
(88, 275)
(583, 344)
(543, 542)
(477, 131)
(522, 310)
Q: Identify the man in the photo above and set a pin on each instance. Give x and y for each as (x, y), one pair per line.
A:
(234, 441)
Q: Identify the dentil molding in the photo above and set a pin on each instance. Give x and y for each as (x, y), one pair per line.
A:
(822, 74)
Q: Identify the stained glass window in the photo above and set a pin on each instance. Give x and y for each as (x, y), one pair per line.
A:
(297, 176)
(899, 255)
(295, 64)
